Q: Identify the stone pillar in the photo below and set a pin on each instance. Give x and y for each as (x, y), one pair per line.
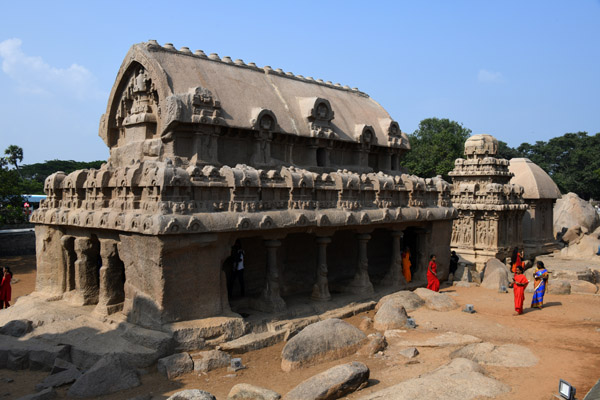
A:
(262, 149)
(112, 277)
(321, 287)
(68, 245)
(86, 271)
(361, 283)
(270, 299)
(387, 160)
(394, 276)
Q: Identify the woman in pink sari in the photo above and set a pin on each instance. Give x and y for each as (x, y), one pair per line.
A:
(433, 283)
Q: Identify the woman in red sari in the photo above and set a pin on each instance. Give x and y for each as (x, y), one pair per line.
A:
(520, 283)
(433, 283)
(5, 289)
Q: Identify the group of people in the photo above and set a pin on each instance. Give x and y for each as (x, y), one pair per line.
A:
(5, 288)
(236, 264)
(520, 282)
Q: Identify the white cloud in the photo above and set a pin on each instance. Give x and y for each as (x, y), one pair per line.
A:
(486, 76)
(34, 76)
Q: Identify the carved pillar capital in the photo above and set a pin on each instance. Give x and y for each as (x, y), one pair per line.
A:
(323, 240)
(272, 243)
(363, 237)
(397, 234)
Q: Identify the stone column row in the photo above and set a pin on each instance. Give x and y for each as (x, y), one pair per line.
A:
(94, 273)
(361, 283)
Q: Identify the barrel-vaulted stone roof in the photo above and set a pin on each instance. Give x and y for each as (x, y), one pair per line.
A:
(536, 183)
(242, 91)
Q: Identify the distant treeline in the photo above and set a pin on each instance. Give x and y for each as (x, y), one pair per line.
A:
(572, 160)
(35, 174)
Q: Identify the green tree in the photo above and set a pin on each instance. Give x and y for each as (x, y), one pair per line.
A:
(14, 155)
(11, 202)
(28, 179)
(571, 161)
(34, 175)
(507, 152)
(435, 146)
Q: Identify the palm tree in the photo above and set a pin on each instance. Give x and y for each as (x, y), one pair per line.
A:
(14, 156)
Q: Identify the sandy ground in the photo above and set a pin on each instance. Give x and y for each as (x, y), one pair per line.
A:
(565, 336)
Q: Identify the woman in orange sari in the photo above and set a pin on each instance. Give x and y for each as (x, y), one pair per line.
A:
(406, 265)
(433, 283)
(520, 283)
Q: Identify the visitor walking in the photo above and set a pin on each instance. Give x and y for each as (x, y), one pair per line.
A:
(237, 256)
(519, 285)
(5, 288)
(453, 263)
(540, 279)
(433, 283)
(406, 265)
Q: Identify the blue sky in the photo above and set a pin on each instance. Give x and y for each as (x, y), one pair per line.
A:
(520, 70)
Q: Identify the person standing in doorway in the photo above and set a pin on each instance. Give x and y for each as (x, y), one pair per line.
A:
(5, 288)
(433, 283)
(237, 256)
(453, 263)
(406, 265)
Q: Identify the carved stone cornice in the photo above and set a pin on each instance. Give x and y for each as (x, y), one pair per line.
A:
(159, 198)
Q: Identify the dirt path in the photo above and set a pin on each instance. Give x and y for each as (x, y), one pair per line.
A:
(565, 336)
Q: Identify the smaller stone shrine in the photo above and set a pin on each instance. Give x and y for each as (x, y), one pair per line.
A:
(540, 193)
(490, 208)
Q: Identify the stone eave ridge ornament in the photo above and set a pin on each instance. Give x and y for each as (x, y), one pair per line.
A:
(158, 198)
(153, 45)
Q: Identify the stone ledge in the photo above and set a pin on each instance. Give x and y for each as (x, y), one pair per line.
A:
(157, 224)
(253, 341)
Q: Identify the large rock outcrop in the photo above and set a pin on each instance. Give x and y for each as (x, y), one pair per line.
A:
(583, 247)
(507, 355)
(332, 384)
(192, 394)
(570, 210)
(436, 301)
(409, 300)
(245, 391)
(175, 365)
(107, 376)
(495, 275)
(391, 315)
(461, 379)
(330, 339)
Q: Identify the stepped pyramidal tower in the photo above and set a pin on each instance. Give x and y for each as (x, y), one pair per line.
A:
(490, 209)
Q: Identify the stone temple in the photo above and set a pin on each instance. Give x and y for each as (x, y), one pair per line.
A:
(539, 193)
(490, 207)
(207, 150)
